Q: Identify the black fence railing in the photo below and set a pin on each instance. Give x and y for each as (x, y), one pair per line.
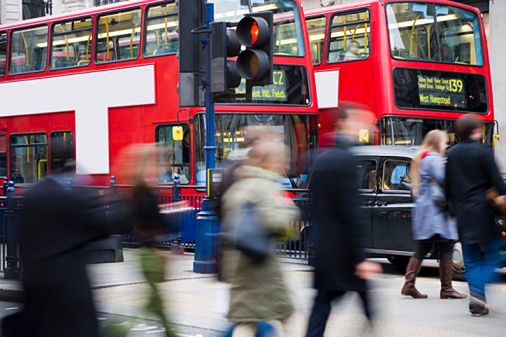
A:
(298, 243)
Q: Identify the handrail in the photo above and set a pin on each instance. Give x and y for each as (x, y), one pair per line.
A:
(88, 46)
(27, 61)
(107, 48)
(132, 42)
(67, 47)
(411, 34)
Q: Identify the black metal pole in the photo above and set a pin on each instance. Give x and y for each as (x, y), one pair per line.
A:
(12, 258)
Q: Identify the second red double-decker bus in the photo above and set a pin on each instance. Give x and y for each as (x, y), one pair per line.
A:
(86, 85)
(418, 65)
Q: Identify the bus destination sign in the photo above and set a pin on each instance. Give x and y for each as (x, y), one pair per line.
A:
(275, 92)
(439, 91)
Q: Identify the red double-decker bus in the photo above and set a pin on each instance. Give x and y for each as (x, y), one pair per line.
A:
(85, 85)
(418, 65)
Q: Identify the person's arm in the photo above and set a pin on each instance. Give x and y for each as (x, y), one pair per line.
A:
(437, 168)
(493, 172)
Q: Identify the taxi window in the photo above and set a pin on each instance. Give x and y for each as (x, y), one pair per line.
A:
(396, 175)
(367, 174)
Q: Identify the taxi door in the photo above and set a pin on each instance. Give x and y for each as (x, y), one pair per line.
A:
(392, 207)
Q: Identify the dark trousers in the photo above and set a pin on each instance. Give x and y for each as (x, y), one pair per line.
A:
(321, 310)
(445, 248)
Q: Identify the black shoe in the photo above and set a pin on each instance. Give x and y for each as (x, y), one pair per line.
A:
(478, 309)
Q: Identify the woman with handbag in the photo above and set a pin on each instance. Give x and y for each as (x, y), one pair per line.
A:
(258, 292)
(432, 225)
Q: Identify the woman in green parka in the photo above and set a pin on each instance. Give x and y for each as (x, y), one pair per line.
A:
(258, 291)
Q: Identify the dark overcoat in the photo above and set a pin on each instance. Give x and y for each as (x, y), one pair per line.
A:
(470, 172)
(56, 224)
(338, 226)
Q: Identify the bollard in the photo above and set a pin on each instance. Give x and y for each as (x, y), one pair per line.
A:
(11, 259)
(112, 183)
(206, 239)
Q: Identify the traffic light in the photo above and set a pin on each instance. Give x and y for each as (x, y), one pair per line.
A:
(224, 44)
(253, 44)
(191, 55)
(255, 32)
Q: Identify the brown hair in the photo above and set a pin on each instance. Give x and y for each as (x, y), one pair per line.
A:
(431, 142)
(465, 125)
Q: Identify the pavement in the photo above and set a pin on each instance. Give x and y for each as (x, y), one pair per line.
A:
(198, 301)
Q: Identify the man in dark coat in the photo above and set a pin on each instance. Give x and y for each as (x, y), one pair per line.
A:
(470, 172)
(340, 264)
(56, 224)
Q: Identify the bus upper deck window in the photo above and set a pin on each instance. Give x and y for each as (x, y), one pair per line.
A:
(71, 43)
(28, 50)
(349, 38)
(118, 36)
(3, 52)
(316, 30)
(160, 33)
(438, 33)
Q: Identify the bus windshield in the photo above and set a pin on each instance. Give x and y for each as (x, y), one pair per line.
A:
(299, 133)
(288, 38)
(410, 131)
(435, 33)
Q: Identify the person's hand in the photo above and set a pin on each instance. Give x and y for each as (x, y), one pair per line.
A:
(367, 270)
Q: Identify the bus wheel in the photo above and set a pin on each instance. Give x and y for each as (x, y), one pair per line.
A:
(400, 262)
(459, 270)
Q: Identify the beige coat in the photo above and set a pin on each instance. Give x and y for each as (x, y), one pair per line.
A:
(258, 291)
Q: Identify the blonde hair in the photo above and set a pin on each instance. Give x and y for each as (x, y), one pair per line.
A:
(431, 142)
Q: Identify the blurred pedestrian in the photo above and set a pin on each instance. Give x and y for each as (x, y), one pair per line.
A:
(340, 264)
(57, 221)
(432, 225)
(470, 172)
(139, 163)
(258, 292)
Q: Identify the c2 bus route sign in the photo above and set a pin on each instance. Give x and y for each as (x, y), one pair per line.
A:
(89, 95)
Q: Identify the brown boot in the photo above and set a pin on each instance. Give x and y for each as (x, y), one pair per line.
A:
(412, 270)
(446, 274)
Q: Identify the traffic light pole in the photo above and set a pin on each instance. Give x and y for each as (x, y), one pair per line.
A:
(207, 231)
(209, 103)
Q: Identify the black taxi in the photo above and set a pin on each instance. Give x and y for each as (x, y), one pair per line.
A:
(386, 201)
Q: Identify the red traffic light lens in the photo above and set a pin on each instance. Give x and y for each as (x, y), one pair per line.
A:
(254, 31)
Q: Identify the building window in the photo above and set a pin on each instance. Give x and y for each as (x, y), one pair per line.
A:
(161, 37)
(174, 153)
(28, 157)
(316, 30)
(28, 50)
(118, 36)
(3, 52)
(71, 44)
(62, 149)
(349, 37)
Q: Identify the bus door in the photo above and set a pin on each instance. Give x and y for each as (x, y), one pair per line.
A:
(392, 207)
(367, 171)
(3, 155)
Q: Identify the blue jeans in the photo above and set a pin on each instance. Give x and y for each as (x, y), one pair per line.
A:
(481, 260)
